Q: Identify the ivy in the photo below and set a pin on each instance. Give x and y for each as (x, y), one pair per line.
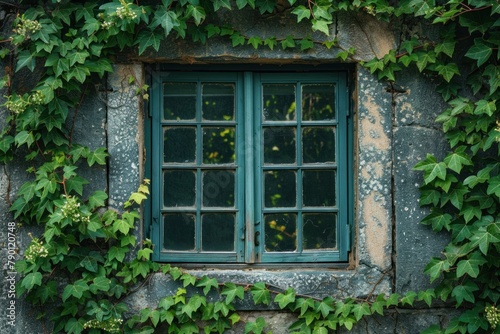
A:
(82, 262)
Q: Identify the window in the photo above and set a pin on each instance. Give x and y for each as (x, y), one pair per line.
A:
(250, 167)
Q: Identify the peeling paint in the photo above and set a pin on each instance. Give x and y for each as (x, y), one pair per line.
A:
(377, 221)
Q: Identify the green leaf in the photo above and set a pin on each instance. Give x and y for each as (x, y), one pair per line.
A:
(448, 71)
(471, 265)
(360, 310)
(408, 298)
(424, 59)
(284, 299)
(98, 156)
(31, 280)
(231, 291)
(117, 253)
(147, 38)
(25, 59)
(427, 296)
(438, 220)
(485, 107)
(321, 25)
(260, 294)
(207, 284)
(435, 267)
(255, 327)
(302, 13)
(482, 239)
(73, 326)
(325, 306)
(447, 47)
(97, 199)
(494, 186)
(76, 290)
(465, 292)
(479, 52)
(100, 283)
(167, 19)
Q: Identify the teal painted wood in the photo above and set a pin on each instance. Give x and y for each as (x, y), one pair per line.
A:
(249, 168)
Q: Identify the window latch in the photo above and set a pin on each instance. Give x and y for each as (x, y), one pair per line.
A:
(256, 240)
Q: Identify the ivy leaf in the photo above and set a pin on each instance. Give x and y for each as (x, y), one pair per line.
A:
(221, 3)
(255, 41)
(117, 253)
(302, 13)
(76, 290)
(73, 326)
(438, 220)
(447, 47)
(465, 292)
(494, 186)
(97, 199)
(265, 6)
(424, 59)
(98, 156)
(198, 12)
(321, 25)
(408, 298)
(271, 42)
(231, 291)
(31, 280)
(25, 59)
(482, 239)
(325, 306)
(167, 19)
(479, 52)
(146, 39)
(207, 284)
(100, 283)
(485, 107)
(260, 294)
(471, 265)
(359, 310)
(283, 299)
(432, 169)
(448, 71)
(89, 263)
(435, 267)
(255, 327)
(427, 296)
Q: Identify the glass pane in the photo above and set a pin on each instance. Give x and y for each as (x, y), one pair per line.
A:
(281, 232)
(178, 232)
(318, 188)
(179, 145)
(279, 145)
(278, 102)
(318, 102)
(218, 101)
(179, 100)
(179, 188)
(218, 232)
(319, 231)
(218, 145)
(318, 144)
(280, 190)
(218, 188)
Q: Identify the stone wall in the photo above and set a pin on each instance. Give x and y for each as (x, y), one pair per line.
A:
(394, 129)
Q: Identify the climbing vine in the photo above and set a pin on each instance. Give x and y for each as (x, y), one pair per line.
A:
(80, 269)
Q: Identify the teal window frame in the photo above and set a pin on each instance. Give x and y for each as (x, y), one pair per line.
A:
(249, 168)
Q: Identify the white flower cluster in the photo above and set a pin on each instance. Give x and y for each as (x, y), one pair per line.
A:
(124, 12)
(71, 209)
(17, 105)
(492, 315)
(107, 24)
(35, 250)
(110, 325)
(27, 27)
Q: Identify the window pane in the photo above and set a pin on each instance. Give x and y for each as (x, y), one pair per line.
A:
(278, 102)
(318, 188)
(318, 144)
(280, 189)
(218, 188)
(319, 231)
(178, 232)
(279, 145)
(179, 188)
(179, 145)
(218, 232)
(318, 102)
(179, 100)
(218, 101)
(281, 232)
(218, 145)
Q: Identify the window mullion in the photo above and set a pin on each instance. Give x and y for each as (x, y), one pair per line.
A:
(248, 147)
(298, 140)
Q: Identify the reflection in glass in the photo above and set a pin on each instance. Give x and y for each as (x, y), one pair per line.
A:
(318, 188)
(179, 100)
(279, 145)
(218, 101)
(319, 231)
(217, 232)
(218, 188)
(218, 145)
(278, 102)
(178, 231)
(179, 188)
(318, 144)
(280, 232)
(318, 102)
(179, 144)
(280, 189)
